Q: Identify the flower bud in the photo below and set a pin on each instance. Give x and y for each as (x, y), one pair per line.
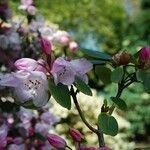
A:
(56, 141)
(64, 40)
(31, 10)
(46, 46)
(144, 58)
(122, 58)
(73, 46)
(104, 148)
(75, 134)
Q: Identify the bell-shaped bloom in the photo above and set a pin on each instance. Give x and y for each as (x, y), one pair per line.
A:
(75, 134)
(81, 67)
(63, 72)
(73, 46)
(56, 141)
(29, 64)
(28, 86)
(45, 45)
(144, 58)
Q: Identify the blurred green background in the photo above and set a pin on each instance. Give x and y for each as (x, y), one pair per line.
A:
(110, 26)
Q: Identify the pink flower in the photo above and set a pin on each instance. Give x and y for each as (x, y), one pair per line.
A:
(81, 67)
(62, 72)
(31, 10)
(28, 86)
(56, 141)
(64, 40)
(65, 71)
(46, 46)
(75, 134)
(29, 64)
(144, 58)
(27, 2)
(73, 46)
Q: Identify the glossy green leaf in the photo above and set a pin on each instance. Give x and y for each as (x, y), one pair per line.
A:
(97, 54)
(103, 73)
(117, 74)
(61, 94)
(107, 124)
(98, 62)
(82, 86)
(119, 103)
(145, 78)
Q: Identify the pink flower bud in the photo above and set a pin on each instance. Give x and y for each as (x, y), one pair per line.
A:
(31, 10)
(46, 46)
(64, 40)
(73, 46)
(144, 58)
(75, 134)
(56, 141)
(104, 148)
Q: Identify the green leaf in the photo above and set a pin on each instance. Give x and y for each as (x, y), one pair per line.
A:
(29, 105)
(61, 94)
(103, 73)
(107, 124)
(98, 62)
(97, 54)
(145, 78)
(82, 86)
(119, 103)
(117, 74)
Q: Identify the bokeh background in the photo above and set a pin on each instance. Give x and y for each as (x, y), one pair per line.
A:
(110, 26)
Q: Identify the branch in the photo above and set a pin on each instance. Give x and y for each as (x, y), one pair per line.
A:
(96, 131)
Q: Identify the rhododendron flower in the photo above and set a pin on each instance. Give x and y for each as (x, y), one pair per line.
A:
(65, 71)
(25, 4)
(49, 118)
(42, 128)
(56, 141)
(28, 86)
(144, 58)
(81, 67)
(30, 64)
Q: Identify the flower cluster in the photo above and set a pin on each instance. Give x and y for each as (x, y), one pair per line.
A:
(31, 128)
